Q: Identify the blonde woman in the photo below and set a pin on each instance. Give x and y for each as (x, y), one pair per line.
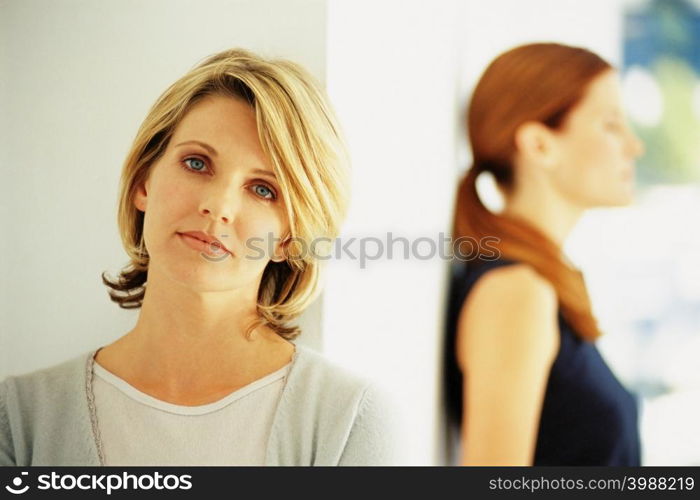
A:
(237, 168)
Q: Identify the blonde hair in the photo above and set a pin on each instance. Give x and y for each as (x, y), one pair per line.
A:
(300, 135)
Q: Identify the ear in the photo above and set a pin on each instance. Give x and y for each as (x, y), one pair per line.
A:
(280, 254)
(141, 196)
(535, 142)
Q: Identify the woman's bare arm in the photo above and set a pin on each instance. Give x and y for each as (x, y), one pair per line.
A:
(507, 340)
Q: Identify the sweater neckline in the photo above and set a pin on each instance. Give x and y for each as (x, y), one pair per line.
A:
(92, 409)
(190, 410)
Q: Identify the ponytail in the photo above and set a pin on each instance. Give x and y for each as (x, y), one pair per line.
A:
(520, 241)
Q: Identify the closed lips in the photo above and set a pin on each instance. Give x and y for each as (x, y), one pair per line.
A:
(205, 238)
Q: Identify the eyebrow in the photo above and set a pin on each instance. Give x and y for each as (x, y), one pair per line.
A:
(203, 144)
(214, 153)
(615, 110)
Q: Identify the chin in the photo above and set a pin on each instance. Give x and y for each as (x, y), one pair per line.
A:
(620, 195)
(621, 200)
(628, 195)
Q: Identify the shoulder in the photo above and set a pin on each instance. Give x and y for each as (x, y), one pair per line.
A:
(37, 392)
(7, 453)
(320, 378)
(511, 306)
(517, 284)
(47, 384)
(516, 292)
(348, 415)
(32, 403)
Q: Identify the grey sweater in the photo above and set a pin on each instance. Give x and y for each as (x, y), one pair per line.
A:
(325, 416)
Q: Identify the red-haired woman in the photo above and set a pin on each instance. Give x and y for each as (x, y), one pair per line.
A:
(526, 384)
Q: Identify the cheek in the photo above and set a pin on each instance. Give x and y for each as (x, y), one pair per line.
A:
(592, 173)
(168, 201)
(590, 147)
(258, 223)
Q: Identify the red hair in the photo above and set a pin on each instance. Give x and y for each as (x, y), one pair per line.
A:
(539, 82)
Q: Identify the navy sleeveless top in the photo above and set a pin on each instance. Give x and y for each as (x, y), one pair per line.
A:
(587, 418)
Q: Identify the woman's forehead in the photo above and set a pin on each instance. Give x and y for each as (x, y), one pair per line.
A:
(602, 95)
(225, 127)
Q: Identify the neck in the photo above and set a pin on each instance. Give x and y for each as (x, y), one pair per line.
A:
(185, 341)
(544, 209)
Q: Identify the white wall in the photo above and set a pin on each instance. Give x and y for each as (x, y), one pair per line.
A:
(392, 71)
(77, 80)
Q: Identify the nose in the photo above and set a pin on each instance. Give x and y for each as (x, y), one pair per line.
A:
(636, 146)
(220, 207)
(223, 217)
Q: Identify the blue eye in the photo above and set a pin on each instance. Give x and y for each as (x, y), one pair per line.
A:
(264, 192)
(197, 164)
